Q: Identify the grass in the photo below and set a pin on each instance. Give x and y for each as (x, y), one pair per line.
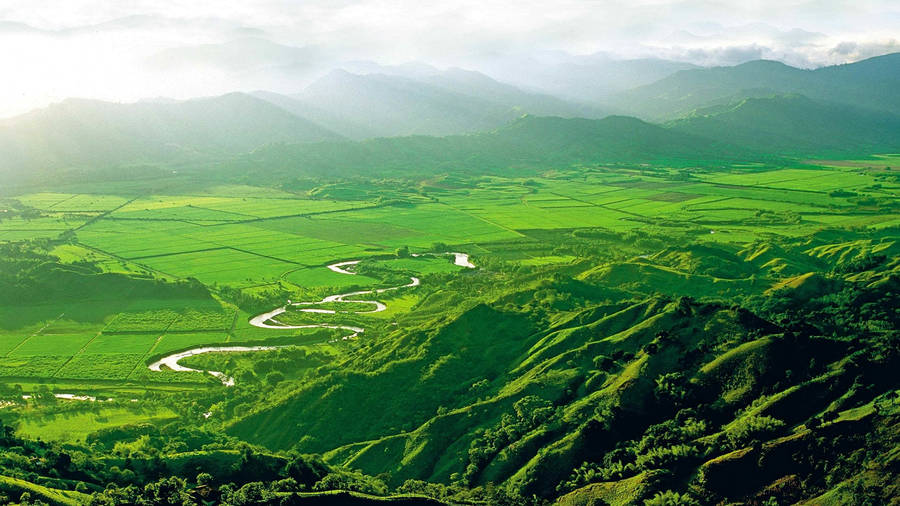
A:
(106, 344)
(145, 320)
(53, 496)
(45, 344)
(224, 266)
(315, 277)
(176, 342)
(548, 260)
(110, 366)
(75, 426)
(422, 265)
(40, 366)
(337, 306)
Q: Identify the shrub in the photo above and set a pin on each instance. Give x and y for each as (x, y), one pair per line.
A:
(670, 498)
(752, 428)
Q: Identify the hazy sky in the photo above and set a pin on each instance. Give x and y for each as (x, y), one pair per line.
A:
(129, 49)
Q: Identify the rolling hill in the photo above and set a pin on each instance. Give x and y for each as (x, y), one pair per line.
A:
(528, 143)
(491, 393)
(89, 133)
(795, 124)
(869, 84)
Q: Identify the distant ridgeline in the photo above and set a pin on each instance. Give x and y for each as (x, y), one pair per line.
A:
(758, 111)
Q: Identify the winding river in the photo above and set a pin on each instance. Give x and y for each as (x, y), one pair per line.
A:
(269, 320)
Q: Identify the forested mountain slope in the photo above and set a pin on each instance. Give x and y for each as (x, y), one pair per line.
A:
(794, 124)
(526, 144)
(90, 133)
(869, 84)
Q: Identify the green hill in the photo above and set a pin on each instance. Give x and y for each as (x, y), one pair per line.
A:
(94, 134)
(521, 393)
(795, 125)
(869, 84)
(528, 144)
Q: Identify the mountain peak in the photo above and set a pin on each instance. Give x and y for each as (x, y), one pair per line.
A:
(764, 64)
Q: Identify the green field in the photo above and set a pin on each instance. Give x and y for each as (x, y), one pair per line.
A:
(570, 265)
(257, 240)
(74, 427)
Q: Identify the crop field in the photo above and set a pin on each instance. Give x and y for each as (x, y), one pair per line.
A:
(315, 277)
(419, 265)
(183, 341)
(257, 240)
(797, 179)
(75, 426)
(104, 340)
(60, 202)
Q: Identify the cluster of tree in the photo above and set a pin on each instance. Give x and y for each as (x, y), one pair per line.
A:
(527, 414)
(11, 208)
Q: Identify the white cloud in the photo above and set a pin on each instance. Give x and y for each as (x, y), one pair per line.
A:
(52, 49)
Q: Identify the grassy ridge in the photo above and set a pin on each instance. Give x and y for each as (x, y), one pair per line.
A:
(627, 331)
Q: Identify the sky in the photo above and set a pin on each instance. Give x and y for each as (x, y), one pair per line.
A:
(128, 50)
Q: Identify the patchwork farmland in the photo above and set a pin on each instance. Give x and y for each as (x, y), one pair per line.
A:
(257, 241)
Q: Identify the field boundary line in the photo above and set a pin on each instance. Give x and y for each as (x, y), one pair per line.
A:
(125, 260)
(480, 218)
(70, 197)
(91, 340)
(300, 215)
(166, 330)
(60, 368)
(267, 256)
(235, 213)
(149, 351)
(179, 253)
(601, 206)
(38, 331)
(740, 186)
(222, 211)
(35, 229)
(104, 214)
(689, 207)
(234, 320)
(173, 220)
(786, 190)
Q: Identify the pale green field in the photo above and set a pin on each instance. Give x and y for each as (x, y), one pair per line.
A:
(75, 426)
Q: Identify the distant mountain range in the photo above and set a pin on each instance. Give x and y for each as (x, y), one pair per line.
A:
(86, 133)
(795, 124)
(870, 84)
(529, 144)
(440, 103)
(591, 79)
(752, 110)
